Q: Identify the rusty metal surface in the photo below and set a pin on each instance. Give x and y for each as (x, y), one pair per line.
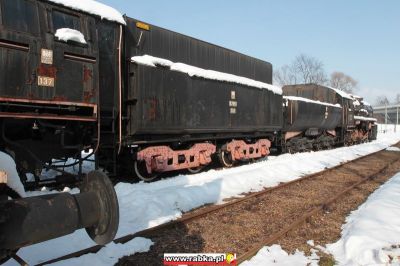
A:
(240, 150)
(23, 38)
(163, 158)
(47, 116)
(55, 101)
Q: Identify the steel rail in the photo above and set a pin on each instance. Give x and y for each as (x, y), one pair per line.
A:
(304, 218)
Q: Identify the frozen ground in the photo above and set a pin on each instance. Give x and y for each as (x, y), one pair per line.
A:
(146, 205)
(275, 255)
(370, 236)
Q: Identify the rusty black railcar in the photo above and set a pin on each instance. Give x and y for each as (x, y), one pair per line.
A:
(166, 112)
(348, 130)
(308, 124)
(49, 107)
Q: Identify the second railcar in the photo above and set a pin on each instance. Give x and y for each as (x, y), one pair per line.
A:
(309, 124)
(328, 95)
(185, 100)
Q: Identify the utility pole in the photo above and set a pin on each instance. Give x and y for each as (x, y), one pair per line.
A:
(385, 117)
(397, 118)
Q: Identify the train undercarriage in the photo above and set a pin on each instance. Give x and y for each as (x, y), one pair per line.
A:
(149, 162)
(37, 144)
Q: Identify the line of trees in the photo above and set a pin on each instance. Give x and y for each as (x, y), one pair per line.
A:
(308, 69)
(383, 100)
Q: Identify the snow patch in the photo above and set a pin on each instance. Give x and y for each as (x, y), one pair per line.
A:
(145, 205)
(371, 235)
(363, 118)
(393, 149)
(94, 8)
(275, 255)
(296, 98)
(366, 103)
(310, 243)
(193, 71)
(341, 93)
(66, 34)
(7, 165)
(111, 253)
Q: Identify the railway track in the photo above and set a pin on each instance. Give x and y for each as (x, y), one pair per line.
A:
(251, 251)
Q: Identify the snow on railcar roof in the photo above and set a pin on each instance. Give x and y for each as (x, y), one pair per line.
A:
(364, 118)
(296, 98)
(94, 8)
(193, 71)
(341, 93)
(366, 103)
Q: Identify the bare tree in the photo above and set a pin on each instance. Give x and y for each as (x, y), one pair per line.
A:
(303, 69)
(343, 82)
(310, 69)
(381, 100)
(285, 76)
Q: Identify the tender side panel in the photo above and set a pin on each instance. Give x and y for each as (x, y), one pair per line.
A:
(172, 102)
(304, 115)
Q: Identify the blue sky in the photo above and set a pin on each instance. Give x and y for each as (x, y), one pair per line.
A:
(358, 37)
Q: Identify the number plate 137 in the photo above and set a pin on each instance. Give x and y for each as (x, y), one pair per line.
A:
(45, 81)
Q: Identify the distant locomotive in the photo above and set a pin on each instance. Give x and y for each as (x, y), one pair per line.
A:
(145, 100)
(322, 117)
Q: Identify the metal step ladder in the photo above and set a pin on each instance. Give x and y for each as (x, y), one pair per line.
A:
(108, 149)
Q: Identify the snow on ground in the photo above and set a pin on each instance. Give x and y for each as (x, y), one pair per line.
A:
(389, 128)
(371, 234)
(275, 255)
(145, 205)
(393, 149)
(111, 253)
(13, 181)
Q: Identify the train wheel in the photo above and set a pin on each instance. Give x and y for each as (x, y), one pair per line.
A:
(141, 172)
(225, 157)
(104, 231)
(196, 170)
